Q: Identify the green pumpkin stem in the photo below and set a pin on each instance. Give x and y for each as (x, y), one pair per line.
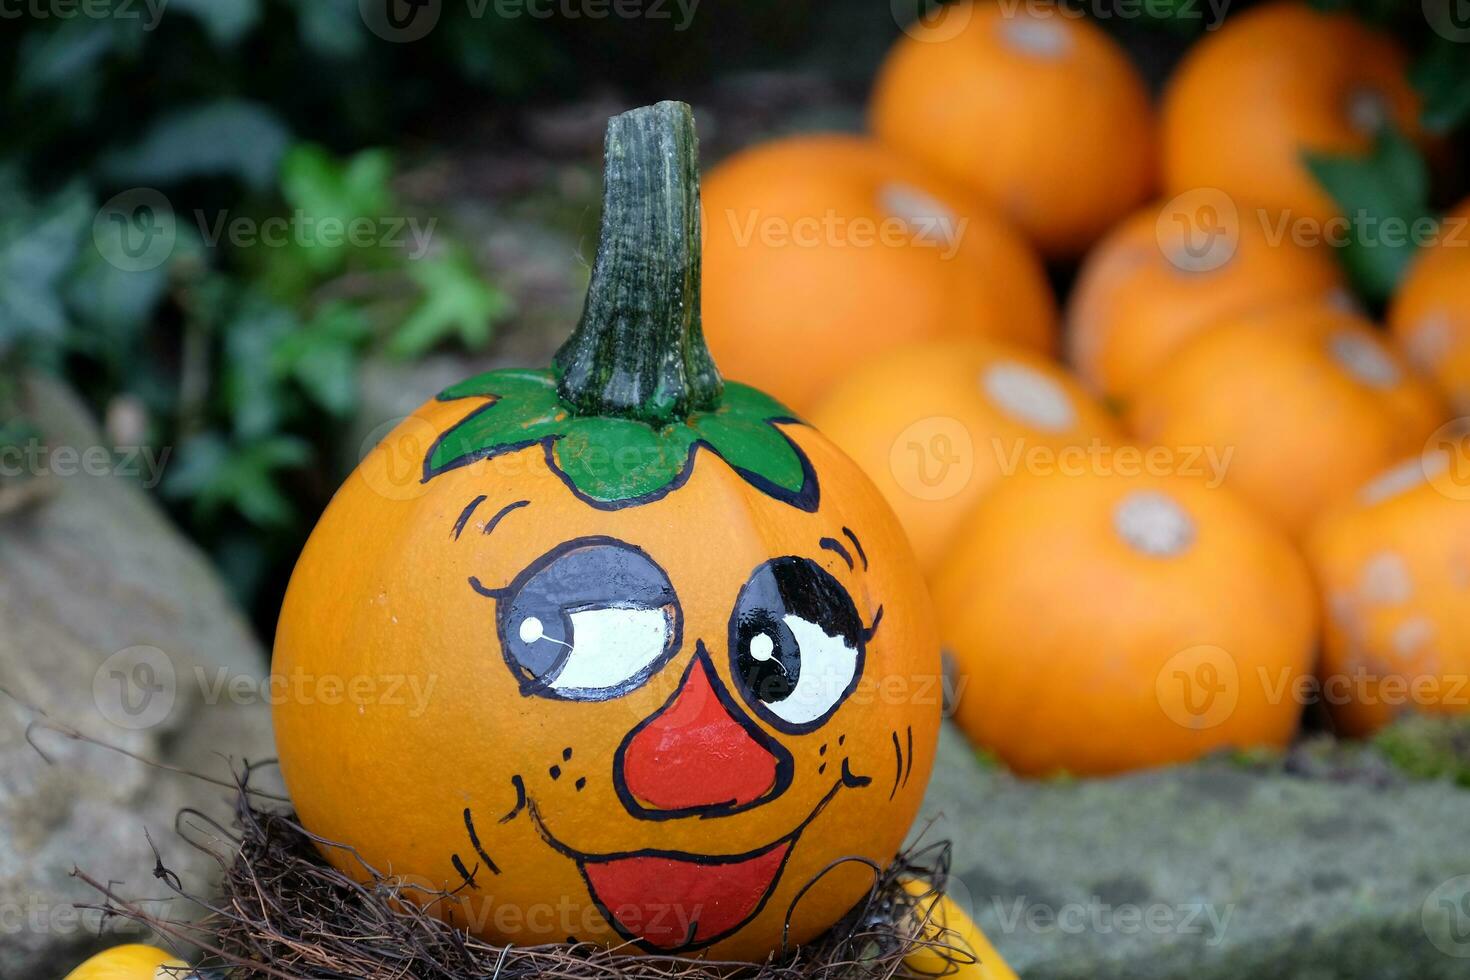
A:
(639, 351)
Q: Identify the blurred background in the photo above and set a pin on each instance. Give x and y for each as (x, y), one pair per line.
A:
(1145, 250)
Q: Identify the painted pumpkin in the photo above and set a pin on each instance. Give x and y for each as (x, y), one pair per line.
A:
(642, 659)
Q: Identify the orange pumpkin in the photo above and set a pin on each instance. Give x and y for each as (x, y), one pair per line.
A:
(935, 425)
(1272, 84)
(1430, 316)
(1037, 110)
(1111, 620)
(823, 251)
(632, 657)
(1172, 270)
(130, 962)
(1393, 562)
(1305, 402)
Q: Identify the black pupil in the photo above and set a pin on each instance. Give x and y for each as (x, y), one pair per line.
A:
(766, 653)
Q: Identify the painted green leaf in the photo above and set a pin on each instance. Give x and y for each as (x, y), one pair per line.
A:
(613, 462)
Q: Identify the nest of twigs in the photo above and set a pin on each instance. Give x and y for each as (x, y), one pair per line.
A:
(285, 913)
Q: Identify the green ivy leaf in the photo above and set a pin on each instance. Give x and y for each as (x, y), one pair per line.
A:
(615, 462)
(457, 303)
(322, 356)
(324, 189)
(214, 474)
(229, 137)
(38, 245)
(1442, 76)
(226, 21)
(1391, 183)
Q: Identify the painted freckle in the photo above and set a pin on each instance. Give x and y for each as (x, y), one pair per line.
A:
(566, 754)
(581, 783)
(555, 772)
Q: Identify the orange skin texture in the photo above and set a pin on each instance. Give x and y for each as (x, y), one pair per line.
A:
(1430, 316)
(381, 590)
(1272, 83)
(1067, 637)
(790, 308)
(1394, 571)
(1042, 114)
(1139, 297)
(1302, 426)
(887, 414)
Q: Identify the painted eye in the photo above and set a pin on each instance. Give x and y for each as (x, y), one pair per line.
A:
(589, 621)
(796, 643)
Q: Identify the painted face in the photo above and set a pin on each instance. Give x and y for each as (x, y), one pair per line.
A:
(661, 721)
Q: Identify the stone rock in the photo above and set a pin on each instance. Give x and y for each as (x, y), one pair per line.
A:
(110, 623)
(1212, 870)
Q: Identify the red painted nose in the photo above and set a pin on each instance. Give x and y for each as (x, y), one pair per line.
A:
(699, 754)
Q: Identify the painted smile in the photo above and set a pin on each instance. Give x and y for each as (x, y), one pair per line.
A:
(676, 901)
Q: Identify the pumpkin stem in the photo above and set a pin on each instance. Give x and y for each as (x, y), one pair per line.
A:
(639, 352)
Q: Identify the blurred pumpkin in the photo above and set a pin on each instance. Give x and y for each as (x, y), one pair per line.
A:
(1109, 620)
(645, 610)
(130, 962)
(934, 425)
(1037, 110)
(1172, 270)
(822, 251)
(1430, 315)
(1393, 563)
(1273, 83)
(1307, 401)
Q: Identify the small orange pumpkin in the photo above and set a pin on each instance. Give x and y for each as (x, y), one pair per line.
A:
(1172, 270)
(1393, 562)
(633, 657)
(1037, 110)
(935, 425)
(1271, 85)
(1430, 316)
(1109, 620)
(824, 251)
(1304, 403)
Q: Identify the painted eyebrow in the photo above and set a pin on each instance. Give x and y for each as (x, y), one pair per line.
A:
(858, 545)
(464, 515)
(832, 544)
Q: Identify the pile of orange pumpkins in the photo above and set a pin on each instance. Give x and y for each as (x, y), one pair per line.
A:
(1207, 493)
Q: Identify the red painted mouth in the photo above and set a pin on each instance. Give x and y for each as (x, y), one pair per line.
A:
(667, 903)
